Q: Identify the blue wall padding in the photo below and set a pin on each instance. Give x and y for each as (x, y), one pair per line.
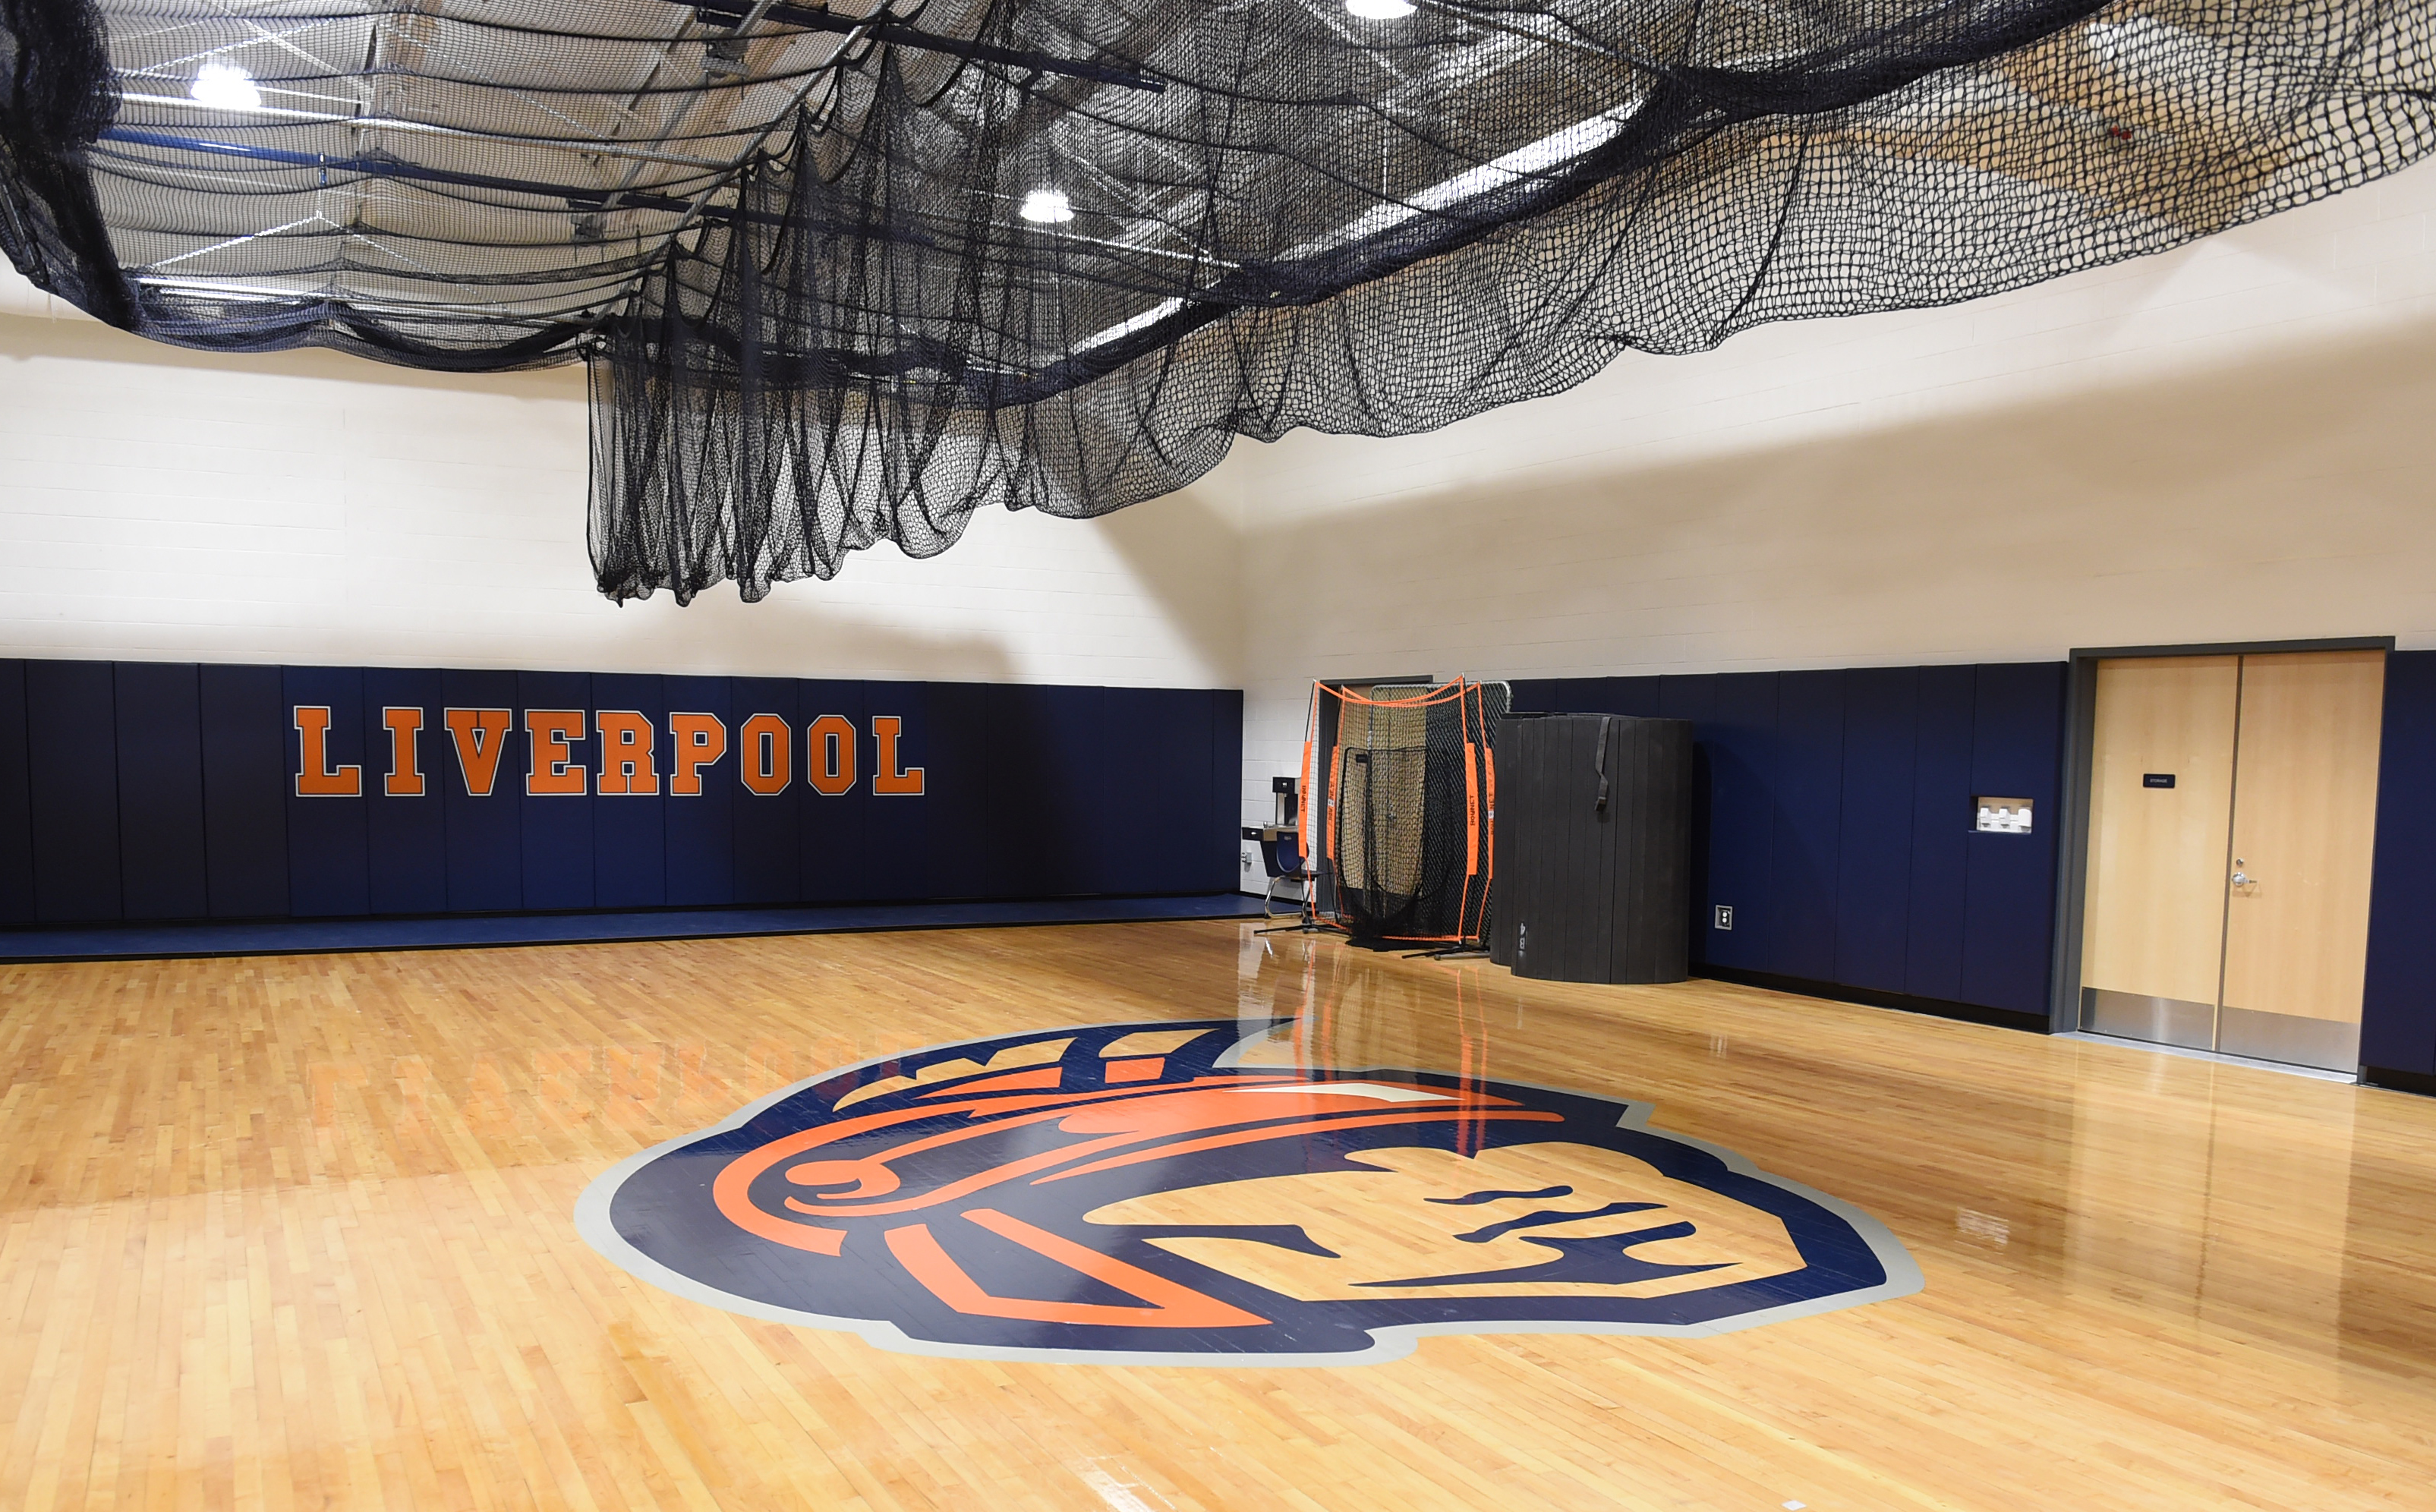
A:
(1941, 845)
(1809, 781)
(958, 728)
(1637, 696)
(16, 801)
(1190, 730)
(1836, 819)
(895, 861)
(630, 849)
(1225, 791)
(245, 790)
(1873, 859)
(72, 770)
(1157, 786)
(1129, 836)
(161, 863)
(407, 837)
(1694, 699)
(769, 835)
(486, 832)
(2017, 744)
(556, 831)
(700, 828)
(1049, 778)
(329, 847)
(2398, 1018)
(149, 790)
(1084, 788)
(1025, 794)
(1741, 737)
(833, 827)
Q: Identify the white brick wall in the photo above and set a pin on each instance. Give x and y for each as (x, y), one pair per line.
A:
(2232, 442)
(307, 507)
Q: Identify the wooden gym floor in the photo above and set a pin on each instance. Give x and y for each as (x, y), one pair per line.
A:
(296, 1232)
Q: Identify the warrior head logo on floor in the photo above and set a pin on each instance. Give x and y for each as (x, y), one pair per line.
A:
(1190, 1192)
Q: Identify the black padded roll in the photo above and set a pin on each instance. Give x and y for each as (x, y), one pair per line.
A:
(1592, 848)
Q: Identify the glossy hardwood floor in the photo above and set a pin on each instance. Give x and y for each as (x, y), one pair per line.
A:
(296, 1233)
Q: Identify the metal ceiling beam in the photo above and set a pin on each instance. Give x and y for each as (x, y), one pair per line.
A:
(583, 146)
(896, 34)
(575, 196)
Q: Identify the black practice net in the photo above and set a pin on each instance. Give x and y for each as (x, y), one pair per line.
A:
(1403, 786)
(846, 274)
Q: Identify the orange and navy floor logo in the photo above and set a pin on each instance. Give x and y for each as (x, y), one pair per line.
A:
(1187, 1193)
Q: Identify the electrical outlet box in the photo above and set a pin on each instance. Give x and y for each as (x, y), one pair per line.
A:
(2002, 816)
(1725, 916)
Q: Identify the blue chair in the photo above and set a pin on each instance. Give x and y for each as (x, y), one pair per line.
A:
(1282, 855)
(1281, 851)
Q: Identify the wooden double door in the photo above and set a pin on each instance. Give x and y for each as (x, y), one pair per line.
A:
(2233, 815)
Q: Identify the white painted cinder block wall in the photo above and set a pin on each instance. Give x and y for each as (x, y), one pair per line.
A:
(2230, 441)
(157, 504)
(2235, 440)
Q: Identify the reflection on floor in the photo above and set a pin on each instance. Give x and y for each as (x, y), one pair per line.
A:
(299, 1231)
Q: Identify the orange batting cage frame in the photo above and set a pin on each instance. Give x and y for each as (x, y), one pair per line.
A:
(1401, 800)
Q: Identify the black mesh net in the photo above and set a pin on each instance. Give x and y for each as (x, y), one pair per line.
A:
(1404, 786)
(845, 276)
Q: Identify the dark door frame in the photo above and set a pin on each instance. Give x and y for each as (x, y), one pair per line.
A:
(2080, 691)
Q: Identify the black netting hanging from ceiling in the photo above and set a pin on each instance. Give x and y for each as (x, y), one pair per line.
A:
(846, 274)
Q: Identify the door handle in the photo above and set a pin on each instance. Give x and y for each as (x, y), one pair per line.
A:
(2241, 880)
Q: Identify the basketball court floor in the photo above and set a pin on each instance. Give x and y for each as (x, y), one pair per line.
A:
(379, 1230)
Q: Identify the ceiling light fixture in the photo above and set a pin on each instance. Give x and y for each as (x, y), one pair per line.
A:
(1048, 207)
(226, 87)
(1380, 9)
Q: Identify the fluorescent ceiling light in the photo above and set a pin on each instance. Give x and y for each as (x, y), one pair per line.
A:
(226, 87)
(1380, 9)
(1534, 160)
(1546, 155)
(1124, 328)
(1047, 206)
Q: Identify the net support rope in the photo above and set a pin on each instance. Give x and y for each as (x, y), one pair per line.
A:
(845, 276)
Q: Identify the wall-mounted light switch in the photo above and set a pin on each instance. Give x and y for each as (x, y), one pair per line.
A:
(2003, 816)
